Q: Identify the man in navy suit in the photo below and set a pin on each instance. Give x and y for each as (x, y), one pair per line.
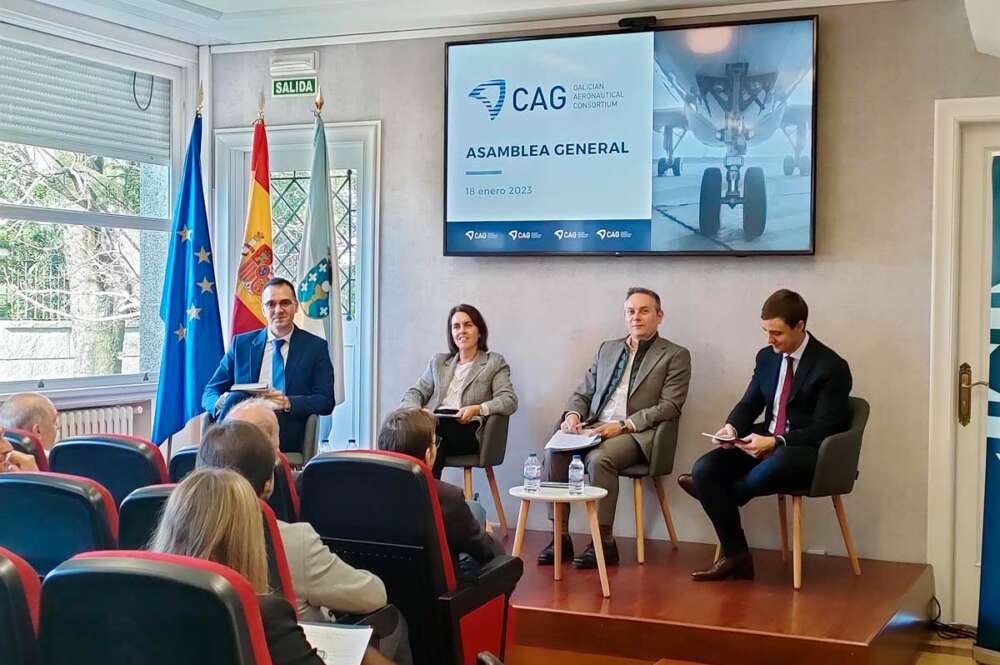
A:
(802, 387)
(295, 363)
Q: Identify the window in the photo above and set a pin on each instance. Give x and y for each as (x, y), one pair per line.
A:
(85, 196)
(289, 207)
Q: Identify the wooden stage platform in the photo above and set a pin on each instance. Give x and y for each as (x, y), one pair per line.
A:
(656, 612)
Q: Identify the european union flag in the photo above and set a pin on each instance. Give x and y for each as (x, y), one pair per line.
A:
(189, 307)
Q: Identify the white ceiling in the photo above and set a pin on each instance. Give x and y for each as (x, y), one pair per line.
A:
(240, 21)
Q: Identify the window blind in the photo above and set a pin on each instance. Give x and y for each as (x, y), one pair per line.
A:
(53, 100)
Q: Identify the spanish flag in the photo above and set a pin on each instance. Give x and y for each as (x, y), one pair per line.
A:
(256, 257)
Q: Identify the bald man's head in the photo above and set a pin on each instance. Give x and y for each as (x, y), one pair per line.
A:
(33, 413)
(257, 412)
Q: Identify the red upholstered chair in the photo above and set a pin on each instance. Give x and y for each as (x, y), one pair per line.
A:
(379, 511)
(26, 442)
(50, 517)
(106, 608)
(284, 500)
(182, 463)
(278, 573)
(119, 462)
(140, 514)
(19, 592)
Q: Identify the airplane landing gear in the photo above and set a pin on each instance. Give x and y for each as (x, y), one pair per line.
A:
(710, 201)
(672, 165)
(753, 199)
(754, 202)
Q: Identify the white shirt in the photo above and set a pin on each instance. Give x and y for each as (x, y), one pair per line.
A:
(453, 398)
(265, 363)
(796, 356)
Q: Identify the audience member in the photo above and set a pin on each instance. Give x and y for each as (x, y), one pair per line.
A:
(324, 584)
(12, 460)
(412, 431)
(260, 412)
(214, 514)
(31, 412)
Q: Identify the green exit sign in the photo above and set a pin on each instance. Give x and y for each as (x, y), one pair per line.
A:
(299, 87)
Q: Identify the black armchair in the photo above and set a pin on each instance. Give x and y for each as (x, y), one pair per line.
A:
(661, 464)
(491, 453)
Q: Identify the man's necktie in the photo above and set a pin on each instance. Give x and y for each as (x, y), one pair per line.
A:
(278, 367)
(786, 388)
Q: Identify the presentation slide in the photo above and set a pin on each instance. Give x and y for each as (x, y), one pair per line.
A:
(681, 140)
(562, 115)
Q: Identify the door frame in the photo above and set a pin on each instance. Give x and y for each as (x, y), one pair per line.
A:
(231, 149)
(950, 116)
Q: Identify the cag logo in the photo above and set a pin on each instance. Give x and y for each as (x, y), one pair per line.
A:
(569, 235)
(605, 234)
(484, 93)
(524, 235)
(476, 235)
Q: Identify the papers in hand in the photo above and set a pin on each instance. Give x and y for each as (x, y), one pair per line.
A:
(563, 441)
(720, 437)
(338, 644)
(253, 388)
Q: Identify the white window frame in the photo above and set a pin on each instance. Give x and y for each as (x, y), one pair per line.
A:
(34, 26)
(232, 149)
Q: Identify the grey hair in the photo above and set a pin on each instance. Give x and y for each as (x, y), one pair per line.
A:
(23, 410)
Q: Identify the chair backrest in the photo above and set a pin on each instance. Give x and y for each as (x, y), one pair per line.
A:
(140, 514)
(19, 595)
(120, 463)
(182, 463)
(494, 441)
(284, 499)
(279, 575)
(837, 460)
(26, 442)
(661, 461)
(50, 517)
(379, 511)
(106, 608)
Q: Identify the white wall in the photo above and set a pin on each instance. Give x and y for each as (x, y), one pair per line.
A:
(881, 67)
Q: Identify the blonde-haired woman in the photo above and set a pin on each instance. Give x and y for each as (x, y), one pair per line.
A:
(214, 514)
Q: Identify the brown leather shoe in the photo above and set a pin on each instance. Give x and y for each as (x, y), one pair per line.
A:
(739, 567)
(686, 481)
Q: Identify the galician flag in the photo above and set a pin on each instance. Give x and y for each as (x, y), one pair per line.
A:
(189, 306)
(256, 256)
(319, 274)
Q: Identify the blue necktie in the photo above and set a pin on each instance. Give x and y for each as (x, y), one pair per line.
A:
(278, 367)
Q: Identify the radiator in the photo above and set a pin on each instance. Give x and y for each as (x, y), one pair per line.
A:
(103, 420)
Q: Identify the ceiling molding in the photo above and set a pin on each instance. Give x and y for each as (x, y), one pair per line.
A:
(984, 19)
(89, 30)
(272, 24)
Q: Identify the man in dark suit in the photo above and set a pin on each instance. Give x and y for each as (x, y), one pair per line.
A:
(295, 363)
(802, 386)
(634, 383)
(413, 431)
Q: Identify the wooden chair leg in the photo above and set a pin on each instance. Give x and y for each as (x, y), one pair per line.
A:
(496, 499)
(468, 483)
(838, 505)
(640, 542)
(783, 519)
(718, 552)
(661, 494)
(797, 542)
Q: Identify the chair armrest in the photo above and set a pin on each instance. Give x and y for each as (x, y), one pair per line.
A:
(837, 464)
(382, 621)
(309, 438)
(493, 445)
(497, 577)
(664, 448)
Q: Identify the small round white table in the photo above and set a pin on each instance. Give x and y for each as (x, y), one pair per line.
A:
(558, 496)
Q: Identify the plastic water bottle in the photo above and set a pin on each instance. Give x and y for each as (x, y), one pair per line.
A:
(532, 473)
(576, 476)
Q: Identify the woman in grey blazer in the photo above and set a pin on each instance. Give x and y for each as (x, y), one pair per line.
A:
(464, 386)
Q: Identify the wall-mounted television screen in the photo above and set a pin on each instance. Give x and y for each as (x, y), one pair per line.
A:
(692, 140)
